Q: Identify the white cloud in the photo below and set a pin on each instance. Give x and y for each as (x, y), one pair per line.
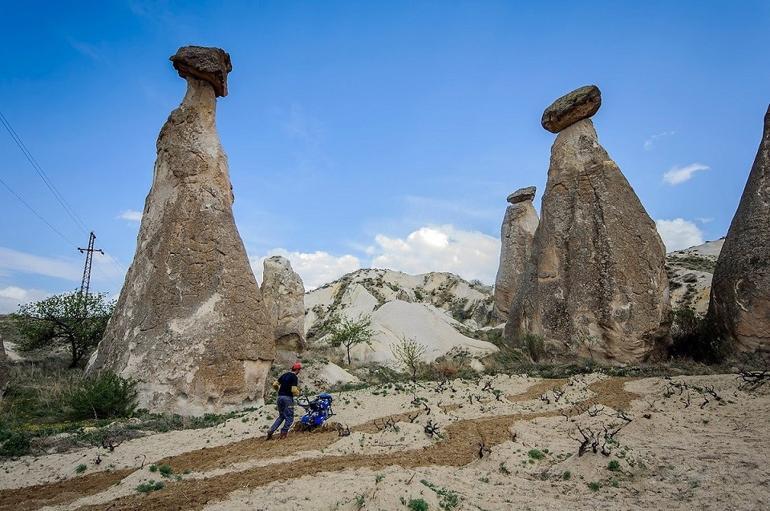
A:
(470, 254)
(131, 215)
(12, 296)
(430, 206)
(86, 49)
(678, 175)
(105, 270)
(16, 261)
(315, 268)
(679, 233)
(650, 142)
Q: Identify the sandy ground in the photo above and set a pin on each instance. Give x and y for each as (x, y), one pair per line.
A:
(502, 443)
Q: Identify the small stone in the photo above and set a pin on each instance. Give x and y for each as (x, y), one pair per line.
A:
(522, 194)
(208, 64)
(579, 104)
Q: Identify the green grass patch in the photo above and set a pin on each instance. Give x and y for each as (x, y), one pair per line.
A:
(448, 499)
(150, 486)
(417, 505)
(536, 454)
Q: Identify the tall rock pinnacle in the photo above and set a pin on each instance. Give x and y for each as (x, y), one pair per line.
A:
(190, 324)
(596, 283)
(739, 307)
(284, 296)
(516, 235)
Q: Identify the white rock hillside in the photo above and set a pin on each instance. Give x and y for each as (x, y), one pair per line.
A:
(435, 309)
(689, 275)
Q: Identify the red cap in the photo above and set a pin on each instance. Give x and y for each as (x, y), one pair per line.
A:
(297, 366)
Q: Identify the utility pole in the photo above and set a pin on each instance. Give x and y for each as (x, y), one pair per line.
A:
(89, 252)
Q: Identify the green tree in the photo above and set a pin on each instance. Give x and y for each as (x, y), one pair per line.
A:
(74, 321)
(348, 332)
(409, 353)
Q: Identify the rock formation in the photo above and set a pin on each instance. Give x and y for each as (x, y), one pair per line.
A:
(516, 236)
(284, 295)
(190, 324)
(596, 283)
(739, 307)
(579, 104)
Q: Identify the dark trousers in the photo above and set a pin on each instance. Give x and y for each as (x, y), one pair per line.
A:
(285, 414)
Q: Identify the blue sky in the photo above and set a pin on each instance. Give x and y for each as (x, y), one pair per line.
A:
(369, 133)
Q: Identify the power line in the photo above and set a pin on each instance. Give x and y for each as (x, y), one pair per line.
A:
(49, 184)
(40, 172)
(46, 222)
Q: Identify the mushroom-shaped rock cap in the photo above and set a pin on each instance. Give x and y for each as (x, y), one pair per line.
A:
(203, 63)
(567, 110)
(522, 194)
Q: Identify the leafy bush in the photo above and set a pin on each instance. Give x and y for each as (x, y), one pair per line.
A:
(409, 353)
(536, 454)
(14, 443)
(534, 345)
(417, 505)
(613, 466)
(105, 396)
(150, 486)
(694, 337)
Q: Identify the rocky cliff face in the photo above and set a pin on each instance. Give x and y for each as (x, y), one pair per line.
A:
(283, 293)
(689, 275)
(740, 293)
(596, 284)
(516, 235)
(190, 324)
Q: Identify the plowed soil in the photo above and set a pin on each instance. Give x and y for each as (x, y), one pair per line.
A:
(460, 446)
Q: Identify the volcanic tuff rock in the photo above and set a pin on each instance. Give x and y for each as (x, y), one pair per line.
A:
(522, 194)
(190, 324)
(579, 104)
(596, 283)
(516, 235)
(740, 291)
(689, 275)
(208, 64)
(284, 293)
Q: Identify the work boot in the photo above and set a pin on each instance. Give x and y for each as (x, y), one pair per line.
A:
(283, 435)
(269, 435)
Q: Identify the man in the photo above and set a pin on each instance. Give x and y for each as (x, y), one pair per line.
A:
(288, 387)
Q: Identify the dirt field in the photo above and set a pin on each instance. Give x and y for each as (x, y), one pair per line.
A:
(506, 442)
